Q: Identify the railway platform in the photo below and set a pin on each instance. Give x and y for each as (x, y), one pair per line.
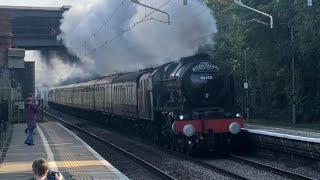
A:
(294, 141)
(287, 133)
(64, 150)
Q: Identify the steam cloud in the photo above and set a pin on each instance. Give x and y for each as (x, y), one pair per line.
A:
(88, 30)
(90, 24)
(53, 69)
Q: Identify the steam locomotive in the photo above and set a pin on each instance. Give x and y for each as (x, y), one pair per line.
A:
(186, 104)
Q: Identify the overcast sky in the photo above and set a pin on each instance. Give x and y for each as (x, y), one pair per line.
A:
(38, 2)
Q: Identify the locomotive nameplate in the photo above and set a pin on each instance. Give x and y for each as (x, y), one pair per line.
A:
(205, 67)
(206, 77)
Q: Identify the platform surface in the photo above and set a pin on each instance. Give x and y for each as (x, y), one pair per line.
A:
(64, 150)
(295, 134)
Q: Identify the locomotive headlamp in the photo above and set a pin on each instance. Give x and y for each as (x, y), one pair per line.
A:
(234, 128)
(188, 130)
(238, 115)
(181, 117)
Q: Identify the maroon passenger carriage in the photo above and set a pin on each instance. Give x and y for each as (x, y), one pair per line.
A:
(186, 104)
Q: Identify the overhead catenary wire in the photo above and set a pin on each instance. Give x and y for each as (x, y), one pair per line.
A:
(145, 18)
(86, 49)
(236, 21)
(106, 22)
(223, 25)
(148, 17)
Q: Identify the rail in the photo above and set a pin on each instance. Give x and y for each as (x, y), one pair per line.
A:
(128, 154)
(273, 170)
(215, 168)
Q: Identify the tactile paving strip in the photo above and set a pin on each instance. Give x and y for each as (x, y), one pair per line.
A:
(72, 157)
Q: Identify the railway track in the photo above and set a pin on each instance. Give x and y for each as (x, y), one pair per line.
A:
(216, 168)
(251, 163)
(264, 167)
(151, 167)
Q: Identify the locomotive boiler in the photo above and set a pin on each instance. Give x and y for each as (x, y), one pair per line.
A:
(185, 104)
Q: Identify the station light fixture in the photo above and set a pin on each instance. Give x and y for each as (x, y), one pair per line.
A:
(240, 3)
(153, 8)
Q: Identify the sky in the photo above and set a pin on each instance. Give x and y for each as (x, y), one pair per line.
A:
(45, 3)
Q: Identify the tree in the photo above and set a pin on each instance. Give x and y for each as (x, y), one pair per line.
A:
(269, 57)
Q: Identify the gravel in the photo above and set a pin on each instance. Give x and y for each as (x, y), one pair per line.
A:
(243, 169)
(295, 164)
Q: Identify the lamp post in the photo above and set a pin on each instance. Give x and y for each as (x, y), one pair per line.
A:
(246, 85)
(293, 80)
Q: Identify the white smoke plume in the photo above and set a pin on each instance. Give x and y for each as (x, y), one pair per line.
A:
(88, 30)
(90, 25)
(53, 72)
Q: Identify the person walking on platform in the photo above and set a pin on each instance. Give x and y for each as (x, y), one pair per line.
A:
(31, 120)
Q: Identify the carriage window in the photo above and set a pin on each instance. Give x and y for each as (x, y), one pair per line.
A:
(117, 93)
(128, 95)
(129, 92)
(106, 92)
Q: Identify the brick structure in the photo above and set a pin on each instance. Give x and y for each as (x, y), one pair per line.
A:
(5, 43)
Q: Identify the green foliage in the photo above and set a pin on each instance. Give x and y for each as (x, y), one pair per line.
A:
(269, 54)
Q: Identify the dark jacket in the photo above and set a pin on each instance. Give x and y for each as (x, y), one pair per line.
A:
(31, 115)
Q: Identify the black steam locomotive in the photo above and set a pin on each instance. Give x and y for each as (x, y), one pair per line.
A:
(183, 104)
